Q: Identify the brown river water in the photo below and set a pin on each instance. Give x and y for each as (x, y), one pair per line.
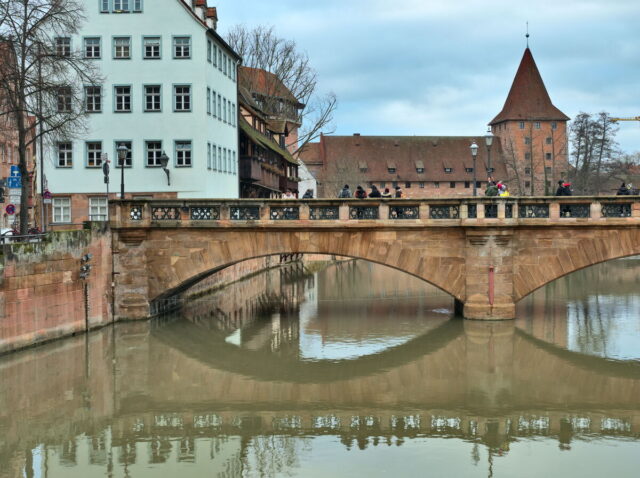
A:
(352, 370)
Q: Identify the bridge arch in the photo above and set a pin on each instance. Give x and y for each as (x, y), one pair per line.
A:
(543, 258)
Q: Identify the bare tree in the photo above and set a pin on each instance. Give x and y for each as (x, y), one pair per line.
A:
(42, 79)
(289, 89)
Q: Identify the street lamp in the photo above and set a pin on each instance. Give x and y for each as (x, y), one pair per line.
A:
(164, 162)
(122, 157)
(488, 139)
(474, 155)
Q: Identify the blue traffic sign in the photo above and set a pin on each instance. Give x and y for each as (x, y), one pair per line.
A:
(15, 179)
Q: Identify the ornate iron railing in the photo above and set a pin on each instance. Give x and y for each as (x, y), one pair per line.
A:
(284, 213)
(444, 212)
(135, 213)
(491, 211)
(324, 213)
(165, 213)
(575, 210)
(363, 212)
(244, 213)
(533, 211)
(404, 212)
(201, 213)
(616, 210)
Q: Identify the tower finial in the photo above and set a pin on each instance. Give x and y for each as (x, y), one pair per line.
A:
(527, 35)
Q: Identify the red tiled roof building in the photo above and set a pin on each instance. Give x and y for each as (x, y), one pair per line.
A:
(529, 152)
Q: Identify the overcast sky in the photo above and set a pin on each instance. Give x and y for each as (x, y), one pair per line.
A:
(444, 67)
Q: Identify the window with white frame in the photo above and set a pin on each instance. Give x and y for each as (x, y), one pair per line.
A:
(98, 208)
(137, 5)
(92, 48)
(224, 111)
(536, 125)
(181, 47)
(65, 154)
(151, 48)
(219, 107)
(554, 125)
(64, 99)
(208, 101)
(63, 46)
(521, 124)
(208, 155)
(225, 61)
(61, 210)
(121, 48)
(220, 59)
(153, 152)
(182, 98)
(225, 166)
(128, 159)
(234, 116)
(219, 158)
(120, 5)
(183, 153)
(213, 104)
(93, 99)
(214, 164)
(215, 55)
(152, 97)
(94, 154)
(104, 6)
(209, 50)
(122, 99)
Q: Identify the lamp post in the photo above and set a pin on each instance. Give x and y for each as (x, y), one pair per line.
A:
(488, 139)
(164, 162)
(122, 157)
(474, 155)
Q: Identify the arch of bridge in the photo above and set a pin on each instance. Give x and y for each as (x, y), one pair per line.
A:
(543, 255)
(176, 259)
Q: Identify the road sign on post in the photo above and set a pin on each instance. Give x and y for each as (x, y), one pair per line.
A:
(46, 196)
(15, 179)
(10, 209)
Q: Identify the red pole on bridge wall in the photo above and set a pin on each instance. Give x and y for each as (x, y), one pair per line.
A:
(491, 274)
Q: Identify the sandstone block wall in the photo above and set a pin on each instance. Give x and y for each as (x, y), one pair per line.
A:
(42, 296)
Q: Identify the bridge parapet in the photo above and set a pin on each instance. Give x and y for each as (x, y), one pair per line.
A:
(326, 213)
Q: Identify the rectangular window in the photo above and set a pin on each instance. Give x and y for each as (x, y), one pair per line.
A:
(153, 152)
(209, 50)
(104, 6)
(182, 98)
(527, 156)
(151, 48)
(63, 46)
(183, 153)
(214, 157)
(225, 61)
(208, 155)
(421, 184)
(182, 47)
(234, 116)
(123, 99)
(215, 55)
(92, 48)
(467, 184)
(448, 170)
(391, 170)
(547, 156)
(527, 140)
(547, 170)
(452, 184)
(220, 59)
(521, 125)
(98, 209)
(219, 107)
(419, 170)
(536, 125)
(407, 185)
(65, 155)
(61, 210)
(128, 159)
(93, 99)
(120, 5)
(121, 48)
(94, 154)
(213, 104)
(527, 184)
(152, 95)
(225, 165)
(64, 99)
(549, 140)
(208, 101)
(554, 125)
(137, 5)
(468, 170)
(224, 111)
(527, 171)
(436, 184)
(219, 158)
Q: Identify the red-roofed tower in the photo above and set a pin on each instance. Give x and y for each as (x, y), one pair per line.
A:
(533, 133)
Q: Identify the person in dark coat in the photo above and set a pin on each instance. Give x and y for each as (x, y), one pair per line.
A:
(560, 191)
(308, 194)
(346, 192)
(360, 193)
(623, 190)
(375, 193)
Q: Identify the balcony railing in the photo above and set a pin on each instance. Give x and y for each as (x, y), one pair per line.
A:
(437, 212)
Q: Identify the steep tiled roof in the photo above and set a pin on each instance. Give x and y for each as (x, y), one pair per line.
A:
(528, 98)
(406, 154)
(264, 83)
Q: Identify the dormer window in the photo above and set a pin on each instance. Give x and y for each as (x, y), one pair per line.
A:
(391, 170)
(391, 167)
(419, 170)
(362, 166)
(468, 170)
(448, 170)
(419, 167)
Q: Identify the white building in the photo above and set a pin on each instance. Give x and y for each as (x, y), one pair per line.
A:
(170, 85)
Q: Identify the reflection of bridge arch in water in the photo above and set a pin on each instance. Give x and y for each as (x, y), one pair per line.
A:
(267, 366)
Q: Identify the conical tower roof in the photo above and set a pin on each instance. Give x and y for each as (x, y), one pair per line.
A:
(528, 98)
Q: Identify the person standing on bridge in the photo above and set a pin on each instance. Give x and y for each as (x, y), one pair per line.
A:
(345, 193)
(375, 193)
(386, 194)
(360, 193)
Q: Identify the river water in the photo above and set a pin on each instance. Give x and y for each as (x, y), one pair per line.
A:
(351, 370)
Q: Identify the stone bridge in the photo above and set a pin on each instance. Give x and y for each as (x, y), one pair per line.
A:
(488, 253)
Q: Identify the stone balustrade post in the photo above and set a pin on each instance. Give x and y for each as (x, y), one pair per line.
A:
(305, 211)
(225, 212)
(343, 211)
(423, 211)
(501, 210)
(554, 210)
(383, 211)
(595, 210)
(464, 211)
(265, 210)
(480, 210)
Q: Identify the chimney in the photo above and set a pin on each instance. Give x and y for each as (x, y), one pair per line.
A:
(356, 134)
(212, 18)
(199, 7)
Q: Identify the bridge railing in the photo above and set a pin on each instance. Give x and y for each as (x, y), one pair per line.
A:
(471, 212)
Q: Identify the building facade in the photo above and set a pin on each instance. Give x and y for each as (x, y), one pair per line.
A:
(528, 152)
(170, 86)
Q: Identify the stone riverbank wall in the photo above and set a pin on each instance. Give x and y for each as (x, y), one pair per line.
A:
(43, 297)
